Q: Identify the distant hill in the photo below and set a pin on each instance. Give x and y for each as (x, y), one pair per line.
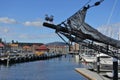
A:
(56, 44)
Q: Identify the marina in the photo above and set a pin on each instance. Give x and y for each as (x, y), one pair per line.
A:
(61, 68)
(26, 58)
(80, 47)
(93, 71)
(106, 61)
(78, 67)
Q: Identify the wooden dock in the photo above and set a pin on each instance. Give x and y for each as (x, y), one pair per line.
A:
(26, 58)
(91, 75)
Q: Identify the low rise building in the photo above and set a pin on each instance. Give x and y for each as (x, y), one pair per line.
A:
(58, 47)
(41, 50)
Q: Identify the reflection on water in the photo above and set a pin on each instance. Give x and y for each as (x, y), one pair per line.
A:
(53, 69)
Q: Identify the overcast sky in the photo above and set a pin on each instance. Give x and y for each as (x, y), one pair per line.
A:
(21, 20)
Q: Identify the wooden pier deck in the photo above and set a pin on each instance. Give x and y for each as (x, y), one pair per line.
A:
(91, 75)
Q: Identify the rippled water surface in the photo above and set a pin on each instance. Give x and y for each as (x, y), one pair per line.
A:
(52, 69)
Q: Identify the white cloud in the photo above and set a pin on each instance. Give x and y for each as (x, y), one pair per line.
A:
(33, 23)
(7, 20)
(42, 36)
(110, 30)
(4, 30)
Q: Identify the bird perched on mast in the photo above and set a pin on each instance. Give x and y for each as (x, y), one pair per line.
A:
(49, 18)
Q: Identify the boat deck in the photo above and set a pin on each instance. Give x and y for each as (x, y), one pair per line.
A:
(92, 75)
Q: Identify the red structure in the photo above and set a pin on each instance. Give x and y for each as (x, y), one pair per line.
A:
(41, 50)
(1, 45)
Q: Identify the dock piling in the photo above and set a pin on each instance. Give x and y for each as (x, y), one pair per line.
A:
(115, 69)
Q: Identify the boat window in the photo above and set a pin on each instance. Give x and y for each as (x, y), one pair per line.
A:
(105, 57)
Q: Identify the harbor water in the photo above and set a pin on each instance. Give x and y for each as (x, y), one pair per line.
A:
(62, 68)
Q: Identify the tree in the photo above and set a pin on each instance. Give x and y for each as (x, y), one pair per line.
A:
(13, 42)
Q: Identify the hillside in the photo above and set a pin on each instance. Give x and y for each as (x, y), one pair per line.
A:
(56, 44)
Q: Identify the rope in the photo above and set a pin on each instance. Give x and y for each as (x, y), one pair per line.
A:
(62, 38)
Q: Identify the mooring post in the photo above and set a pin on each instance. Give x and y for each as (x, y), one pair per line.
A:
(8, 59)
(98, 62)
(115, 68)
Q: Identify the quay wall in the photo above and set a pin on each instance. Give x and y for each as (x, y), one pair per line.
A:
(26, 58)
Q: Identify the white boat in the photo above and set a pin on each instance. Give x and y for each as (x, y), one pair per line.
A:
(106, 62)
(110, 74)
(89, 58)
(77, 58)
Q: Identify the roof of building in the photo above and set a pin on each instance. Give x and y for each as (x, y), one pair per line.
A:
(14, 45)
(26, 47)
(1, 45)
(42, 47)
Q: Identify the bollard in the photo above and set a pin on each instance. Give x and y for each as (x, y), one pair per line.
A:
(98, 63)
(115, 69)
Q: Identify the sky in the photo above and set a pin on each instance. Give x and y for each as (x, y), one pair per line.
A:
(21, 20)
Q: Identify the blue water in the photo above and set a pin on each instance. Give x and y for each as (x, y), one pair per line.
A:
(52, 69)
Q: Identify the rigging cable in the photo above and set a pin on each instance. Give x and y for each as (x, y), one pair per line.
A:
(109, 30)
(111, 12)
(62, 38)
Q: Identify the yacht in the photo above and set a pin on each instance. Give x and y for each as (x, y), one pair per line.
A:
(88, 57)
(110, 75)
(106, 62)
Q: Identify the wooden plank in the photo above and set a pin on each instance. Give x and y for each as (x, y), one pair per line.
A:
(90, 74)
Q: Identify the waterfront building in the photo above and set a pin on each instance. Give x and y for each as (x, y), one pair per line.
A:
(76, 48)
(14, 47)
(58, 47)
(24, 47)
(1, 45)
(27, 48)
(1, 48)
(81, 49)
(41, 50)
